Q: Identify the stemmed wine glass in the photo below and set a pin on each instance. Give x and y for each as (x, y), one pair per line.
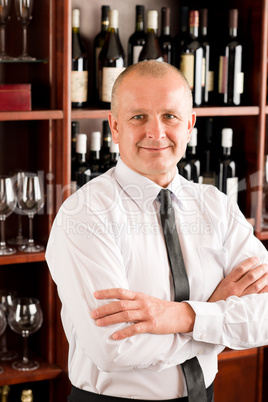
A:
(7, 206)
(6, 299)
(24, 10)
(19, 239)
(30, 201)
(25, 317)
(3, 324)
(4, 17)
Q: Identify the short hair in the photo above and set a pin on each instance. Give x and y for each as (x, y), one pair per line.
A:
(152, 68)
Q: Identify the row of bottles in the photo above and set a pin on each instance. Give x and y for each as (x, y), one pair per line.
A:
(103, 154)
(215, 73)
(6, 394)
(202, 165)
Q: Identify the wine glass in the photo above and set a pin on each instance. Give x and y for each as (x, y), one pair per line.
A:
(25, 317)
(3, 324)
(4, 17)
(7, 206)
(24, 10)
(6, 299)
(30, 201)
(19, 239)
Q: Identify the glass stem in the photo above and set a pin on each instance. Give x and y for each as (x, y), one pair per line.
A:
(25, 357)
(3, 40)
(24, 42)
(31, 240)
(2, 242)
(3, 343)
(19, 235)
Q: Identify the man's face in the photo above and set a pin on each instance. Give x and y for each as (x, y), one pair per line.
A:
(153, 125)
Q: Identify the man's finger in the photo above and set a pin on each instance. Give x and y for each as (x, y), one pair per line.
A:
(115, 293)
(135, 329)
(241, 269)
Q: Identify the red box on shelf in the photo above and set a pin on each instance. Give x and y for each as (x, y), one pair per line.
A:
(15, 97)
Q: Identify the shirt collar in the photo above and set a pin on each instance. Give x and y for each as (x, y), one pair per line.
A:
(144, 191)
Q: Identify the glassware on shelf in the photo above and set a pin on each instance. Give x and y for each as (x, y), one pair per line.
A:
(6, 299)
(24, 9)
(3, 324)
(19, 239)
(4, 17)
(30, 201)
(25, 317)
(7, 206)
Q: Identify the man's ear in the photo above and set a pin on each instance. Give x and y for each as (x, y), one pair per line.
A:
(113, 127)
(191, 123)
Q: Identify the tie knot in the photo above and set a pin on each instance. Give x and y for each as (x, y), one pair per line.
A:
(165, 199)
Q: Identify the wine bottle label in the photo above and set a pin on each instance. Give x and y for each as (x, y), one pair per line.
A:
(223, 74)
(136, 53)
(203, 71)
(187, 68)
(79, 82)
(240, 83)
(109, 75)
(232, 188)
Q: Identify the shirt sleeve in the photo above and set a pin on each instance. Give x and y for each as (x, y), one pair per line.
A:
(84, 257)
(237, 323)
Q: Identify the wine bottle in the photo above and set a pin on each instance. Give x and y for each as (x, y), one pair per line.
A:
(165, 39)
(105, 149)
(231, 77)
(26, 395)
(151, 48)
(75, 131)
(208, 160)
(227, 179)
(5, 389)
(191, 58)
(137, 39)
(94, 156)
(181, 37)
(192, 158)
(98, 45)
(79, 74)
(111, 59)
(81, 168)
(207, 73)
(184, 167)
(114, 154)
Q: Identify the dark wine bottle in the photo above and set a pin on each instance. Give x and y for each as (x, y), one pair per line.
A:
(181, 37)
(231, 77)
(75, 131)
(94, 155)
(137, 39)
(165, 39)
(191, 58)
(111, 59)
(208, 159)
(192, 157)
(114, 154)
(82, 171)
(207, 74)
(151, 49)
(79, 75)
(105, 149)
(184, 167)
(98, 45)
(227, 179)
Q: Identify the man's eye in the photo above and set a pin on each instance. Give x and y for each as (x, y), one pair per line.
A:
(138, 117)
(170, 116)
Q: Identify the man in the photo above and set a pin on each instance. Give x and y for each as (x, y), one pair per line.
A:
(108, 257)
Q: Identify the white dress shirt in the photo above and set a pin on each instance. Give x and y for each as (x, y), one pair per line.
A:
(108, 235)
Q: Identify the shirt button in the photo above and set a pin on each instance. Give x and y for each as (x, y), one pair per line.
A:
(203, 336)
(201, 352)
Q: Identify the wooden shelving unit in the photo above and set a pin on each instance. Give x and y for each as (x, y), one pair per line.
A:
(41, 140)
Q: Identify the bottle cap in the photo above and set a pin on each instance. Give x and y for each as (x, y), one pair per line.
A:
(152, 19)
(114, 148)
(233, 18)
(95, 143)
(81, 143)
(194, 18)
(227, 138)
(113, 19)
(193, 139)
(76, 18)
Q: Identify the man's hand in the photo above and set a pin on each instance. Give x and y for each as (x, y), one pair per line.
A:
(148, 314)
(246, 278)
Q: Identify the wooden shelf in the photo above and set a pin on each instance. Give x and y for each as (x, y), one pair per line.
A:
(20, 258)
(46, 371)
(31, 115)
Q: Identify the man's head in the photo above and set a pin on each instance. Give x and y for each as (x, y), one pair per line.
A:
(151, 118)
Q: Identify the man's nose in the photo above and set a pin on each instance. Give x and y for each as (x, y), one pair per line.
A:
(155, 129)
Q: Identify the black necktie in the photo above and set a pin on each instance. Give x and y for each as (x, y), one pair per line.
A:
(191, 368)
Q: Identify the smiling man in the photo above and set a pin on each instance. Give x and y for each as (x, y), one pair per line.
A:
(128, 336)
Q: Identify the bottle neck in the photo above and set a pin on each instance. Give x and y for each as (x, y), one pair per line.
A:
(203, 31)
(226, 151)
(94, 154)
(139, 26)
(75, 30)
(192, 149)
(104, 25)
(166, 30)
(233, 32)
(193, 29)
(81, 157)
